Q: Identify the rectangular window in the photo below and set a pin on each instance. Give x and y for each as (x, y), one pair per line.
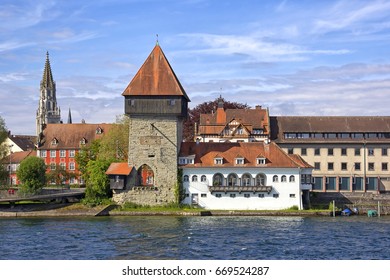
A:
(370, 151)
(71, 153)
(331, 183)
(53, 153)
(260, 161)
(218, 161)
(43, 153)
(52, 166)
(292, 195)
(317, 151)
(203, 195)
(275, 195)
(62, 153)
(247, 195)
(371, 166)
(384, 166)
(343, 151)
(218, 195)
(290, 151)
(63, 166)
(330, 151)
(343, 166)
(357, 166)
(261, 195)
(344, 183)
(372, 183)
(357, 183)
(232, 195)
(317, 165)
(303, 151)
(71, 166)
(384, 151)
(239, 161)
(317, 183)
(357, 151)
(330, 165)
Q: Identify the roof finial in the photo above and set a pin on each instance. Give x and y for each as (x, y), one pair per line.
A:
(156, 39)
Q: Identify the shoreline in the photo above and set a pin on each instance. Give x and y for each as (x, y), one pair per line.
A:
(78, 210)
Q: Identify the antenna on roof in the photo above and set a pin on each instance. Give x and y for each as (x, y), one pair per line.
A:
(156, 39)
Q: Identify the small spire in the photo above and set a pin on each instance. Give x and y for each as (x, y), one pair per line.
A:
(69, 116)
(157, 40)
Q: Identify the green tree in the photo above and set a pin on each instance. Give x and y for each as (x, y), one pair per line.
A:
(115, 144)
(85, 155)
(4, 150)
(205, 108)
(98, 184)
(59, 175)
(32, 174)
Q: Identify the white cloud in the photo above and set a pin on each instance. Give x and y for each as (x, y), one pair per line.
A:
(250, 46)
(350, 14)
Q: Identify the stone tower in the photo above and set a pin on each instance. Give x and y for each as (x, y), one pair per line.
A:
(47, 112)
(157, 104)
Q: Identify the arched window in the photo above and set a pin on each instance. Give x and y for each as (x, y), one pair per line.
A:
(275, 178)
(246, 179)
(260, 180)
(145, 175)
(284, 178)
(194, 178)
(292, 178)
(203, 178)
(232, 179)
(218, 179)
(185, 178)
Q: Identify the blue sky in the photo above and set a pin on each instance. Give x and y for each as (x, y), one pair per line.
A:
(295, 57)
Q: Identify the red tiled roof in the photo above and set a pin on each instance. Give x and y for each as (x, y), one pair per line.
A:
(17, 157)
(205, 153)
(155, 77)
(251, 118)
(70, 135)
(119, 168)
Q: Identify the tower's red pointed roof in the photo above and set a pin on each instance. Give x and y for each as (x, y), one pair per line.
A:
(155, 78)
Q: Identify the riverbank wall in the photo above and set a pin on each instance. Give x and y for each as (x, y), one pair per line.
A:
(362, 201)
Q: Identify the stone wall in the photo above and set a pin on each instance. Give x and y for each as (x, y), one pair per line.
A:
(153, 141)
(363, 201)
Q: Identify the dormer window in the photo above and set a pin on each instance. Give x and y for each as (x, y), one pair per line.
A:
(99, 130)
(240, 161)
(186, 160)
(218, 161)
(54, 141)
(260, 161)
(83, 141)
(257, 131)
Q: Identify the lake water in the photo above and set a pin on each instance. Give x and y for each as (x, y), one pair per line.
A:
(272, 238)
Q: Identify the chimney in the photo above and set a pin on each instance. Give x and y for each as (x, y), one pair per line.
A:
(258, 107)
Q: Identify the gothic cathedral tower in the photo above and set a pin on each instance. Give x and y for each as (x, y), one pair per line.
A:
(47, 112)
(157, 104)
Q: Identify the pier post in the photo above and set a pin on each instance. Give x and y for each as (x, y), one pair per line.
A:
(334, 210)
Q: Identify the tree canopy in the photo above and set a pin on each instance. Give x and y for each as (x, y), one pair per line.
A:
(32, 174)
(3, 136)
(205, 108)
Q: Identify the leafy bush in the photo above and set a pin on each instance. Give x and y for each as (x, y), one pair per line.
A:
(32, 174)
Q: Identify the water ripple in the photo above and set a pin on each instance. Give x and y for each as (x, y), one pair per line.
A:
(294, 238)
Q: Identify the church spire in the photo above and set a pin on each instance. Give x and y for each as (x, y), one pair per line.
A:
(69, 116)
(47, 79)
(48, 111)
